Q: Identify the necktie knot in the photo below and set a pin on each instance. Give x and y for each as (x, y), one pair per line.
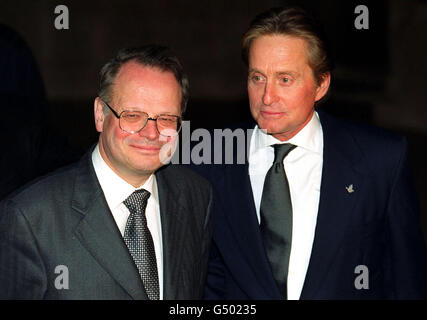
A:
(137, 201)
(281, 151)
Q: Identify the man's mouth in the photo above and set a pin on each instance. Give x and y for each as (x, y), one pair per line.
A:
(271, 114)
(147, 148)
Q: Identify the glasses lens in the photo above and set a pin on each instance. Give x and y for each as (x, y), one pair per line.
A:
(132, 121)
(168, 125)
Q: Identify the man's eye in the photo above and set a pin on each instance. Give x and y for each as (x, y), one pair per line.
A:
(287, 81)
(167, 119)
(132, 116)
(256, 78)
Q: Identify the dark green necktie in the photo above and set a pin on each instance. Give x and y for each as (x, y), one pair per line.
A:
(276, 217)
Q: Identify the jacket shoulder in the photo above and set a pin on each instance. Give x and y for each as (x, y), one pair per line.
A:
(365, 136)
(184, 176)
(37, 193)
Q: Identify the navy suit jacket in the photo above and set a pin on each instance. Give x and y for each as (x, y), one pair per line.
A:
(377, 225)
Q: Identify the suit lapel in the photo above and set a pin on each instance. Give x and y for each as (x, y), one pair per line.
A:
(245, 227)
(98, 232)
(336, 203)
(242, 219)
(174, 230)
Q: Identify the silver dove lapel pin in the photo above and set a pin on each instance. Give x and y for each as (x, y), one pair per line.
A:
(350, 188)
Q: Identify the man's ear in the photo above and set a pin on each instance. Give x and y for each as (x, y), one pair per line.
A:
(322, 89)
(98, 111)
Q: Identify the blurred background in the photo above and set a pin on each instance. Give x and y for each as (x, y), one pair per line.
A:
(379, 77)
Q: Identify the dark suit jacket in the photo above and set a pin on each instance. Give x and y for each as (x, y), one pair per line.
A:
(377, 225)
(64, 219)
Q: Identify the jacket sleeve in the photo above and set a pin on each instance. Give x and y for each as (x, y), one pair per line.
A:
(22, 273)
(207, 239)
(215, 283)
(407, 249)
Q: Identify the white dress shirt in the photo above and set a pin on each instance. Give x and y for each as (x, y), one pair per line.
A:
(116, 190)
(303, 167)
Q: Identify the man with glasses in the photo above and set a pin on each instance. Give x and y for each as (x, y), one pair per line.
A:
(119, 224)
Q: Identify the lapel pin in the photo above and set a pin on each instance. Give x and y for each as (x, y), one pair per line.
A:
(350, 188)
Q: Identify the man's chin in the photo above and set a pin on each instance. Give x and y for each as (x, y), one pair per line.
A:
(144, 162)
(146, 169)
(270, 130)
(279, 133)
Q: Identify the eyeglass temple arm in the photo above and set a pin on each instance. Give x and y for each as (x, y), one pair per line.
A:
(112, 110)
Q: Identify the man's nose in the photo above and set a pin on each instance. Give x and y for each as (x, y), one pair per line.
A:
(270, 94)
(150, 130)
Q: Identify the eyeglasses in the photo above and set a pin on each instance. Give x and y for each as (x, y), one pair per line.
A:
(134, 121)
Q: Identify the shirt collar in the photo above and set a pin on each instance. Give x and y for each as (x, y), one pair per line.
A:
(309, 138)
(117, 190)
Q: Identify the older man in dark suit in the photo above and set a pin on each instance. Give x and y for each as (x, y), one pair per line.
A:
(322, 208)
(119, 224)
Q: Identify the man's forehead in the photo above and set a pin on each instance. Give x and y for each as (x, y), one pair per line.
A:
(135, 69)
(136, 83)
(134, 74)
(278, 43)
(277, 50)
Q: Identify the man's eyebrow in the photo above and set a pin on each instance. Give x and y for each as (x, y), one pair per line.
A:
(254, 70)
(278, 73)
(290, 73)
